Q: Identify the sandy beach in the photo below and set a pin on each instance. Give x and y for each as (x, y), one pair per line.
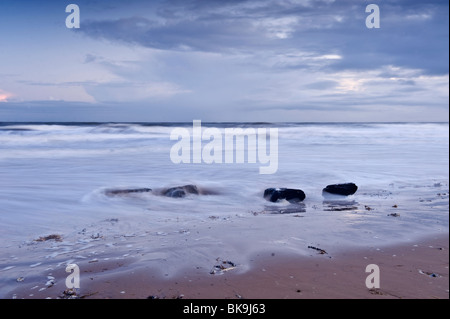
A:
(414, 270)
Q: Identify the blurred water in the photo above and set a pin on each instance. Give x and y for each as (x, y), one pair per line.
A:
(53, 179)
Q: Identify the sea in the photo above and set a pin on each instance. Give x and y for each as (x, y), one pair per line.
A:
(77, 193)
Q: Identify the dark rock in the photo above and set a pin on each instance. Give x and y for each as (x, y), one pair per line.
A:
(180, 191)
(341, 189)
(291, 195)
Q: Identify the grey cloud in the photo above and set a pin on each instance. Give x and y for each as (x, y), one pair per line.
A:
(407, 82)
(322, 85)
(56, 84)
(90, 58)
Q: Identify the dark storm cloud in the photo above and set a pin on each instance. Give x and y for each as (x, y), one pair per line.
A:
(413, 34)
(214, 26)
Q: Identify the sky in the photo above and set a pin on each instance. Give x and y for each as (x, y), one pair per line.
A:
(224, 61)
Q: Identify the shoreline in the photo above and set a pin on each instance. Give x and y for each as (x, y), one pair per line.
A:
(414, 270)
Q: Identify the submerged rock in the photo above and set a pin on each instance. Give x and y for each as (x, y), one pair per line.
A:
(174, 192)
(341, 189)
(340, 205)
(180, 191)
(115, 192)
(291, 195)
(54, 237)
(277, 210)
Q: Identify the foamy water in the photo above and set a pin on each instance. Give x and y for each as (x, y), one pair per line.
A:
(53, 179)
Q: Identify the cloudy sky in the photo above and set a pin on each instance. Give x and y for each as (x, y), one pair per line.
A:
(224, 60)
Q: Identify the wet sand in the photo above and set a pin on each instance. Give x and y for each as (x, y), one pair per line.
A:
(414, 270)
